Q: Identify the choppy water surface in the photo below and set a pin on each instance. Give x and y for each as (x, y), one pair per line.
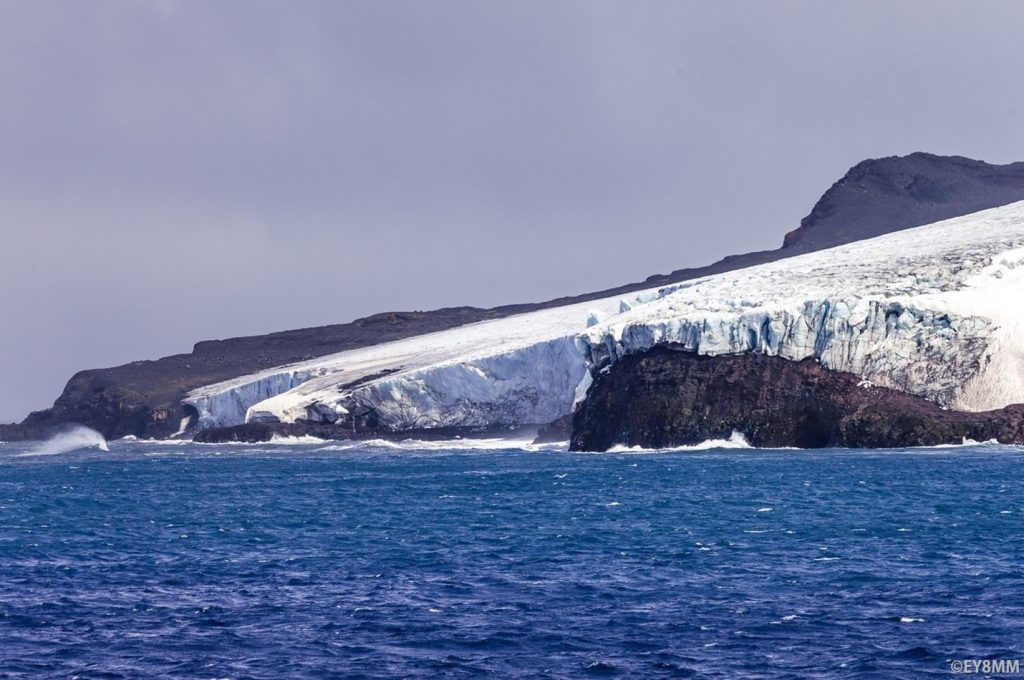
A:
(321, 560)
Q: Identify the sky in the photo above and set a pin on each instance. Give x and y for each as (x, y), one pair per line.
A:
(179, 171)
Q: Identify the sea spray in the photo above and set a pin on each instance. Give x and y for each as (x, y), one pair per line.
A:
(737, 440)
(78, 437)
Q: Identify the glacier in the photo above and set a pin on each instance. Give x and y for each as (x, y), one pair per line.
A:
(936, 311)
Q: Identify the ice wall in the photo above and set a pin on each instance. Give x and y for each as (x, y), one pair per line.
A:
(228, 406)
(923, 351)
(523, 386)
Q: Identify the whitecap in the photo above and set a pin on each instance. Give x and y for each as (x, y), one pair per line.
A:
(966, 442)
(735, 441)
(132, 440)
(462, 444)
(294, 441)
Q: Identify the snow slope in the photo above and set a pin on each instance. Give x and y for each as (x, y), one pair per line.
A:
(937, 310)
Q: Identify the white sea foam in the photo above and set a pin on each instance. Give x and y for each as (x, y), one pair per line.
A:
(132, 440)
(735, 441)
(293, 441)
(465, 444)
(79, 437)
(966, 443)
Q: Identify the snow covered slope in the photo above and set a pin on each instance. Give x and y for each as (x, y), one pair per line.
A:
(937, 310)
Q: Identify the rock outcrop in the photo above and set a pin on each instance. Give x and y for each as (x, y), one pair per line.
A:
(883, 195)
(666, 397)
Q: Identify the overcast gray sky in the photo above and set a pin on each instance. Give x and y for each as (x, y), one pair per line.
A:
(176, 171)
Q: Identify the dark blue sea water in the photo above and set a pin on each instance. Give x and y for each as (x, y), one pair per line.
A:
(326, 561)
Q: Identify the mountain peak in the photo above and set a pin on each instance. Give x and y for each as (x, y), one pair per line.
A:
(881, 195)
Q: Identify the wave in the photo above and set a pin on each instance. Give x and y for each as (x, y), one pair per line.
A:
(294, 441)
(465, 444)
(79, 437)
(967, 441)
(738, 441)
(735, 441)
(131, 440)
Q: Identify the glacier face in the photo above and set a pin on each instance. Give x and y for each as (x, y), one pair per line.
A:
(231, 404)
(524, 385)
(531, 356)
(937, 311)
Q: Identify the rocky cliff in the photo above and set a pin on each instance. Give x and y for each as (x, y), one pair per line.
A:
(667, 397)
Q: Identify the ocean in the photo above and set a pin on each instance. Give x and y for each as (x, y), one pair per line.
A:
(373, 560)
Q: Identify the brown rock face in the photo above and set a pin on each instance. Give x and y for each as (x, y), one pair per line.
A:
(666, 397)
(879, 196)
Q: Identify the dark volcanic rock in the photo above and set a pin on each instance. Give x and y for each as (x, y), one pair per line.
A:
(143, 398)
(263, 432)
(666, 397)
(890, 194)
(556, 431)
(875, 197)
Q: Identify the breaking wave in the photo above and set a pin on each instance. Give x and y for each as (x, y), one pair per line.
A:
(79, 437)
(735, 441)
(966, 442)
(293, 441)
(466, 444)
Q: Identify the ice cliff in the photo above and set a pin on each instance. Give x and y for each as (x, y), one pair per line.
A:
(936, 311)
